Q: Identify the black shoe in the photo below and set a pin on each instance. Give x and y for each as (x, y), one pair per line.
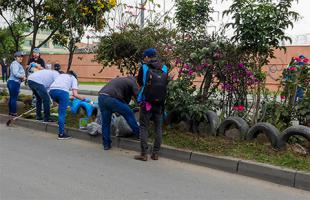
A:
(39, 118)
(49, 121)
(108, 147)
(64, 137)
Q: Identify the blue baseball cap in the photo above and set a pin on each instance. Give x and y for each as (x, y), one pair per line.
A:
(18, 54)
(36, 50)
(151, 52)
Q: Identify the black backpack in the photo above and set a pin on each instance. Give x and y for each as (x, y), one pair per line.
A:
(154, 87)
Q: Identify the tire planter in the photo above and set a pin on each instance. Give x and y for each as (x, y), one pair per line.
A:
(299, 130)
(212, 124)
(240, 124)
(76, 104)
(268, 129)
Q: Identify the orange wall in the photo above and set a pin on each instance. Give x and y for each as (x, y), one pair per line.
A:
(88, 69)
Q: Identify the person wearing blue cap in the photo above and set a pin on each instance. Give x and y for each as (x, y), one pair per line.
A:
(153, 80)
(17, 75)
(35, 62)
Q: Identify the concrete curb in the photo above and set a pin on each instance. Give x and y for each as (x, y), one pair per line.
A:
(266, 172)
(218, 162)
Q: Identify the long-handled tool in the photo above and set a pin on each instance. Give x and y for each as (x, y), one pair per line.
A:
(13, 119)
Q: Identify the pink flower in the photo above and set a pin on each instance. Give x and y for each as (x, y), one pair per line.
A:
(297, 59)
(306, 60)
(292, 68)
(283, 98)
(190, 72)
(241, 65)
(241, 108)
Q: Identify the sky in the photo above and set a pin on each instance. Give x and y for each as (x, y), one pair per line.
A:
(301, 27)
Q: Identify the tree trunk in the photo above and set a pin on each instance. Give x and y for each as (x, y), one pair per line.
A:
(71, 52)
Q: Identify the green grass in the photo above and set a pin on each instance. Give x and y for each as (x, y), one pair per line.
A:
(93, 83)
(255, 151)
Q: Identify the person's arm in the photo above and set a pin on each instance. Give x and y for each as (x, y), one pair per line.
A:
(16, 72)
(76, 95)
(140, 76)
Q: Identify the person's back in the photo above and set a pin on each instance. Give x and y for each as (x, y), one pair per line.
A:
(122, 88)
(114, 98)
(45, 77)
(153, 79)
(64, 82)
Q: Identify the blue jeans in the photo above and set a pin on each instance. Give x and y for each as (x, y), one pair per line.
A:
(41, 95)
(62, 98)
(4, 74)
(13, 87)
(109, 105)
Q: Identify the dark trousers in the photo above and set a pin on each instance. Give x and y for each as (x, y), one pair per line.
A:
(109, 105)
(4, 75)
(62, 98)
(13, 87)
(41, 94)
(145, 116)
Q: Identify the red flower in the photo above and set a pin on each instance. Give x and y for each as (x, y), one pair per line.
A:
(283, 97)
(306, 60)
(297, 59)
(241, 108)
(292, 69)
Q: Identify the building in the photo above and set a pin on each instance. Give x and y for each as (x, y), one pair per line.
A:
(47, 48)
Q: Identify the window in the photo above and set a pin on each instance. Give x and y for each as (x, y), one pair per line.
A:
(57, 46)
(28, 43)
(46, 45)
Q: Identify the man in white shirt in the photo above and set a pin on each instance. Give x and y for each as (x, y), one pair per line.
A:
(40, 83)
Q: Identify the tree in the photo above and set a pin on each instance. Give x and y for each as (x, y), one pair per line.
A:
(7, 47)
(73, 17)
(16, 26)
(32, 13)
(125, 49)
(259, 27)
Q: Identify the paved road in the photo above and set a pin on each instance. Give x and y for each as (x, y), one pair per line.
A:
(34, 165)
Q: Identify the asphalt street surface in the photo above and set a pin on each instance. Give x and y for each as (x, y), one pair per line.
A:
(35, 165)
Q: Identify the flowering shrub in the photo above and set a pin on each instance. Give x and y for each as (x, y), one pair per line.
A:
(296, 79)
(295, 96)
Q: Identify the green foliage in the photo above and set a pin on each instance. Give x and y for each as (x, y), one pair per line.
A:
(73, 17)
(260, 25)
(125, 49)
(192, 16)
(7, 46)
(303, 109)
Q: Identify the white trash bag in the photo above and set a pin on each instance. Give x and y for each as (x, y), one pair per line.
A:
(119, 126)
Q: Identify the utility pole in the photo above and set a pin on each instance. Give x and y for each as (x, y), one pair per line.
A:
(143, 2)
